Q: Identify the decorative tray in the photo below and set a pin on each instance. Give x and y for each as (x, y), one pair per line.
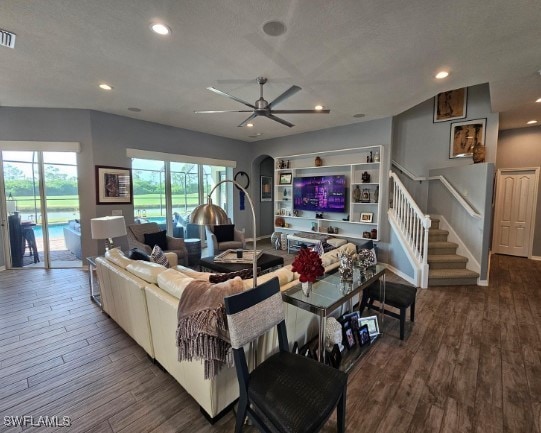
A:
(230, 256)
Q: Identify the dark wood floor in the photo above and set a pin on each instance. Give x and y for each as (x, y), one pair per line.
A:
(471, 362)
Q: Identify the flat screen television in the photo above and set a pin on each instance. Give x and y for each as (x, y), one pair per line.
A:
(320, 193)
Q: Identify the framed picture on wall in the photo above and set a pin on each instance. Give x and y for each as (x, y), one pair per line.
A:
(465, 136)
(113, 185)
(266, 188)
(450, 105)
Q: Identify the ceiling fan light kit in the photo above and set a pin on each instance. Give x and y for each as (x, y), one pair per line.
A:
(263, 108)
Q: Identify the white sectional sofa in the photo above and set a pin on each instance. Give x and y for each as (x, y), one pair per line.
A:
(143, 298)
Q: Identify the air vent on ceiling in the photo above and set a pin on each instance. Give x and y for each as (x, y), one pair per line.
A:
(7, 39)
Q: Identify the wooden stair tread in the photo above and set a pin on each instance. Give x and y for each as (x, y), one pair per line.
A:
(452, 273)
(442, 244)
(446, 258)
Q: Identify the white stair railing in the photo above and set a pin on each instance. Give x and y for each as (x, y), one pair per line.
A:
(411, 226)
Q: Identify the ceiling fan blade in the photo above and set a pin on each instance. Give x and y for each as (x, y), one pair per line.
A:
(253, 116)
(219, 92)
(300, 111)
(289, 92)
(222, 111)
(277, 119)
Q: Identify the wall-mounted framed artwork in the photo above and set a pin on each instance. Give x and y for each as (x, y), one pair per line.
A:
(266, 188)
(450, 105)
(465, 136)
(113, 185)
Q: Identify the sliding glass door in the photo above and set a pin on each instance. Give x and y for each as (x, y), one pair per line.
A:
(42, 206)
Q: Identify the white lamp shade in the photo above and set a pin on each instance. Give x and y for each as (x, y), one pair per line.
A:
(108, 227)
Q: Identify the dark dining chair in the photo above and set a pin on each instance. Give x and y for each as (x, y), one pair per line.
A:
(286, 392)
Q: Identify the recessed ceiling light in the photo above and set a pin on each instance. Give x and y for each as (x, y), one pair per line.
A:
(538, 100)
(250, 125)
(104, 86)
(274, 28)
(318, 107)
(531, 122)
(359, 115)
(134, 109)
(161, 29)
(442, 74)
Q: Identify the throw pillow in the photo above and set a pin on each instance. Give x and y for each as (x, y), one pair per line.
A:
(157, 256)
(137, 254)
(244, 274)
(158, 238)
(224, 233)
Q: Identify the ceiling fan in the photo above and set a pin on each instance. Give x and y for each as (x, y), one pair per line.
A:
(263, 108)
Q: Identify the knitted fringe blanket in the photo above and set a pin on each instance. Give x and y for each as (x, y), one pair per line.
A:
(202, 324)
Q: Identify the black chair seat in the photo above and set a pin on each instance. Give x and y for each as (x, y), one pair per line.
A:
(396, 295)
(284, 389)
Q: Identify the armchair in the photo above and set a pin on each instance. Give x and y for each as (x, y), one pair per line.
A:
(225, 238)
(136, 239)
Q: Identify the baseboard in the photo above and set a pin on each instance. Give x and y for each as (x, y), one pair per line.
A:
(2, 268)
(537, 258)
(482, 282)
(401, 274)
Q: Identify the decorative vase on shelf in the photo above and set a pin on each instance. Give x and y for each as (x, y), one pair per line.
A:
(318, 161)
(306, 288)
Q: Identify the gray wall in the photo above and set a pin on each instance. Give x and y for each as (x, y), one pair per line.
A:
(104, 139)
(518, 148)
(475, 182)
(420, 145)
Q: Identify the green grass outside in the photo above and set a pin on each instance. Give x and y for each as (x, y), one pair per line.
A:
(71, 202)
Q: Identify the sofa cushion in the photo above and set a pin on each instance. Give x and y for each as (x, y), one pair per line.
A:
(194, 274)
(244, 274)
(158, 238)
(224, 233)
(117, 257)
(137, 254)
(147, 271)
(173, 282)
(157, 256)
(336, 242)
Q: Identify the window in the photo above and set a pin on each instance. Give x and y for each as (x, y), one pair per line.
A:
(162, 188)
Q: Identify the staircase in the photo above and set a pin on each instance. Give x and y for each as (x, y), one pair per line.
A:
(446, 267)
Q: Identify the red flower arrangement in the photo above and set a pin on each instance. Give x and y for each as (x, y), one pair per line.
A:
(308, 264)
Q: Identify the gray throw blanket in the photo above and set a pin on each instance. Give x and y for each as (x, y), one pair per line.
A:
(202, 323)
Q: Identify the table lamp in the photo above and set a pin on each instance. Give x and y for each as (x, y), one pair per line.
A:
(107, 228)
(212, 214)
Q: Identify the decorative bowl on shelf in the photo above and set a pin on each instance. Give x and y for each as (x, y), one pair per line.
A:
(279, 222)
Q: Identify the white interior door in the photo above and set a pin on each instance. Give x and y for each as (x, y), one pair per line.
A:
(515, 211)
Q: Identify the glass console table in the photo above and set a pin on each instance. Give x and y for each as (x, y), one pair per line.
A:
(329, 293)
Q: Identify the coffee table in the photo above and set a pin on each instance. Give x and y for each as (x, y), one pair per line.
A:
(266, 263)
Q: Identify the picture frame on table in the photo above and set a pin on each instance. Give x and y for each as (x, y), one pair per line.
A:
(285, 178)
(367, 217)
(348, 335)
(363, 336)
(372, 323)
(266, 188)
(465, 136)
(113, 185)
(450, 105)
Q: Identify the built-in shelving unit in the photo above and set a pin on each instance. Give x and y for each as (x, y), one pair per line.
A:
(363, 170)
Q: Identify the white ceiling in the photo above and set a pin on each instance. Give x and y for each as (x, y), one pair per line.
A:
(352, 56)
